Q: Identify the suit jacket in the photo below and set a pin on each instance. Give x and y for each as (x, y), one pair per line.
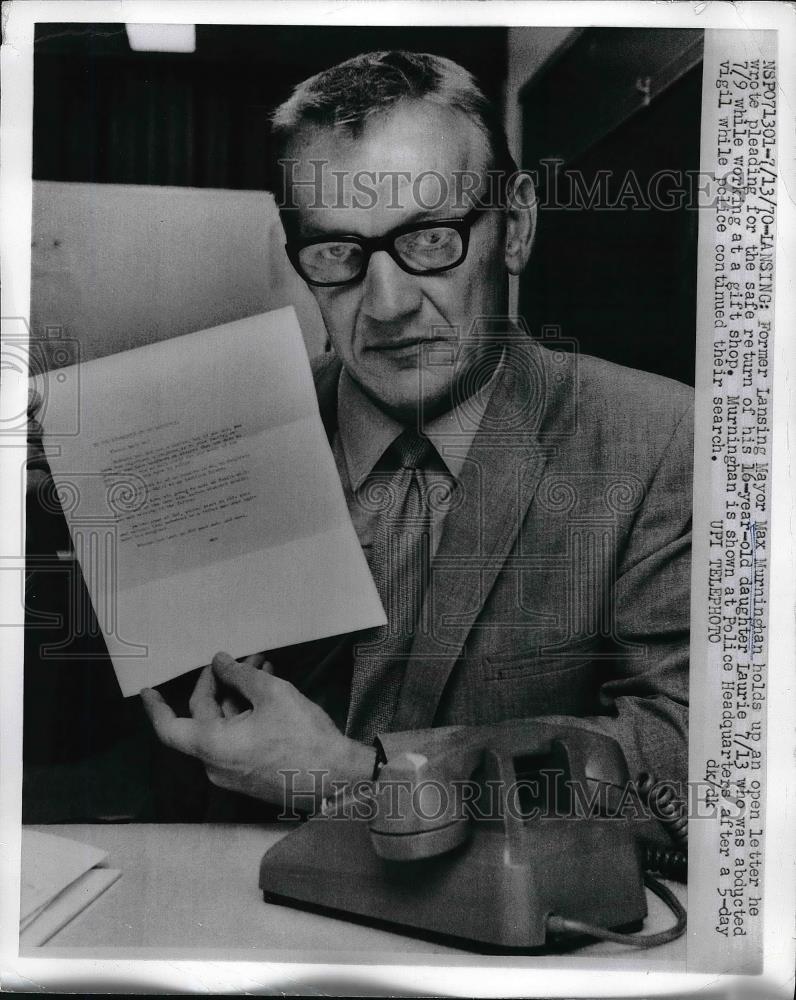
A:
(560, 587)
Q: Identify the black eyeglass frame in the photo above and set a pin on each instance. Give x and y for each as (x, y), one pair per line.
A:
(371, 244)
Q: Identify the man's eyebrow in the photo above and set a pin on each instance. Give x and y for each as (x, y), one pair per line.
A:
(319, 229)
(307, 230)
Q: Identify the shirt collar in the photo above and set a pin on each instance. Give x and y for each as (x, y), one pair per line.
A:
(366, 432)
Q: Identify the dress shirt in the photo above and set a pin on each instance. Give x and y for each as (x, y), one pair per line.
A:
(365, 433)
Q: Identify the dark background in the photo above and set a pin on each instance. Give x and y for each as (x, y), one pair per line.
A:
(620, 285)
(106, 114)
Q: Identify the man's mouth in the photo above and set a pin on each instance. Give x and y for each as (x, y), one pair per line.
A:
(405, 344)
(396, 346)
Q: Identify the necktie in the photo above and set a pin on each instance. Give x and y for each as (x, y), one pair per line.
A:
(400, 566)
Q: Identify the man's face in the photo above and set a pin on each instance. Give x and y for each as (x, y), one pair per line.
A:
(384, 325)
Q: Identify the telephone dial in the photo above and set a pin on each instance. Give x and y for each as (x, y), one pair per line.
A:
(498, 837)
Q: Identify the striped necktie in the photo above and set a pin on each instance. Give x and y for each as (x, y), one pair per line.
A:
(400, 565)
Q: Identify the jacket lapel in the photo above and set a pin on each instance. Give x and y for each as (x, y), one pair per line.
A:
(497, 484)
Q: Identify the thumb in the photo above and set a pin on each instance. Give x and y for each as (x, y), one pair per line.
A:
(241, 677)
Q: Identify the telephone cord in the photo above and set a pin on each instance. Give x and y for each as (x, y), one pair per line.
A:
(562, 925)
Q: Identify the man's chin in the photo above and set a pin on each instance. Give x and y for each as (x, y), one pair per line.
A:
(410, 395)
(414, 411)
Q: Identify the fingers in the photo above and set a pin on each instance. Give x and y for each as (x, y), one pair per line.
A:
(159, 712)
(241, 677)
(203, 703)
(231, 706)
(259, 662)
(179, 734)
(208, 703)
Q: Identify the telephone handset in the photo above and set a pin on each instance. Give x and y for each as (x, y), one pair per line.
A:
(504, 837)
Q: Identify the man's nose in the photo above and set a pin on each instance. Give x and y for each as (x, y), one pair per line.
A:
(390, 293)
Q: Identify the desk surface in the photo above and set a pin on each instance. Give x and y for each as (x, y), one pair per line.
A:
(194, 886)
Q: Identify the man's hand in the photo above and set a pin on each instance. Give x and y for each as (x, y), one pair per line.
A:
(253, 732)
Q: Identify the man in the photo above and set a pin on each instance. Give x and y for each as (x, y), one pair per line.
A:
(550, 577)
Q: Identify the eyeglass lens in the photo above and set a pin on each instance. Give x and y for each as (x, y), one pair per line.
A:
(422, 250)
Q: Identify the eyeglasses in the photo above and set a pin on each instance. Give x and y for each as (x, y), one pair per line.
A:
(417, 248)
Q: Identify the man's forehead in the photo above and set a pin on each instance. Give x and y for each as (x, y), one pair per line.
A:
(417, 156)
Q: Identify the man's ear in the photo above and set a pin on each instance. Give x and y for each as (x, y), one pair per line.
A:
(520, 221)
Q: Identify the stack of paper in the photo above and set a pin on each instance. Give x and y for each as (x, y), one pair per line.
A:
(60, 877)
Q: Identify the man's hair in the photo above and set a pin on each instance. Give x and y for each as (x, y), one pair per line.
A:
(348, 96)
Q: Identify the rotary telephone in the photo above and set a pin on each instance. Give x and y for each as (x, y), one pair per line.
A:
(501, 837)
